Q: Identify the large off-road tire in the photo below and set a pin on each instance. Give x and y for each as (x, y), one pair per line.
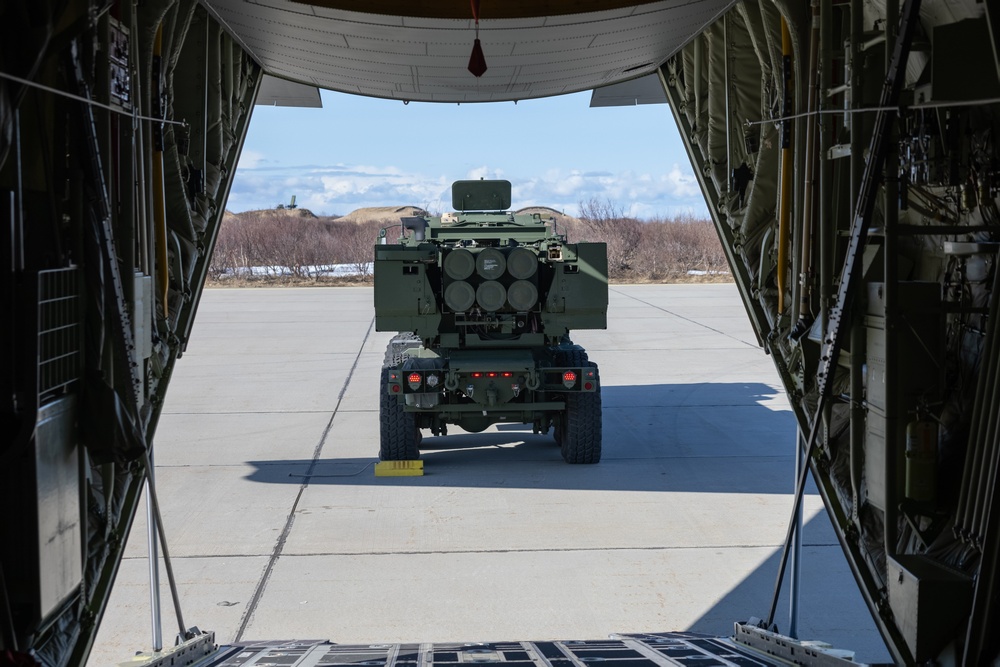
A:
(398, 346)
(581, 436)
(399, 437)
(571, 357)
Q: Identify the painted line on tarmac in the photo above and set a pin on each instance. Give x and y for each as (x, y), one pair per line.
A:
(280, 544)
(486, 552)
(686, 319)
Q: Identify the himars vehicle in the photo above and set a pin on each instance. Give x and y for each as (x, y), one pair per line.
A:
(484, 301)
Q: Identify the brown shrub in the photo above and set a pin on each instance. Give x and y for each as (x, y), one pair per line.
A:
(299, 247)
(357, 242)
(654, 250)
(672, 247)
(603, 222)
(274, 244)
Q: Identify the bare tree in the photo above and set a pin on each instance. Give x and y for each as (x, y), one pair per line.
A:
(357, 244)
(606, 223)
(674, 247)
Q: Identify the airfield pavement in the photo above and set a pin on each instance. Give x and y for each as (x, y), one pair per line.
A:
(278, 528)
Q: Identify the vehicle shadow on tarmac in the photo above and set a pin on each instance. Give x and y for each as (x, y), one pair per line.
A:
(702, 438)
(712, 438)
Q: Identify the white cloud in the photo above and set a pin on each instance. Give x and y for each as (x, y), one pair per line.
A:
(250, 159)
(477, 173)
(685, 184)
(639, 194)
(339, 189)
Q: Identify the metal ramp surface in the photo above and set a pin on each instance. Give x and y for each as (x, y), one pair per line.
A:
(640, 650)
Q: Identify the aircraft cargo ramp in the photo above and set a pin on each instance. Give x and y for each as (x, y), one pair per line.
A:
(644, 650)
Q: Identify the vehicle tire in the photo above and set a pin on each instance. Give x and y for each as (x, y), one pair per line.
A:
(399, 436)
(566, 356)
(571, 357)
(581, 436)
(399, 344)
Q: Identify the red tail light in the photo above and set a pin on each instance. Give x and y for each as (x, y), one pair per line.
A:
(415, 380)
(569, 379)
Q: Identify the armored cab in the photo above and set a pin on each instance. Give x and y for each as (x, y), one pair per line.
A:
(484, 300)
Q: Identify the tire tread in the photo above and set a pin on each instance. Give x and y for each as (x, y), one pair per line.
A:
(398, 433)
(582, 436)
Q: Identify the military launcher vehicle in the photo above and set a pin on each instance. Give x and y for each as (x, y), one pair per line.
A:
(484, 300)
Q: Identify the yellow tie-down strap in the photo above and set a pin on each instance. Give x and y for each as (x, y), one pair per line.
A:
(399, 468)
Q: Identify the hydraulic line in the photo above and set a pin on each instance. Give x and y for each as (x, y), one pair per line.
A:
(159, 201)
(785, 203)
(728, 83)
(984, 441)
(699, 57)
(985, 386)
(138, 136)
(980, 640)
(805, 319)
(980, 635)
(139, 206)
(991, 458)
(826, 210)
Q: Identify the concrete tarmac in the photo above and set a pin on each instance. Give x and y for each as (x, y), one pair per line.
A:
(278, 528)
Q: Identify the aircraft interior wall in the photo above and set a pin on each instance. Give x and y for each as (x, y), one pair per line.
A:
(861, 232)
(121, 127)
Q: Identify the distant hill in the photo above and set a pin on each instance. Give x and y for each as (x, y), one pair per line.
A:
(383, 213)
(366, 214)
(547, 212)
(275, 213)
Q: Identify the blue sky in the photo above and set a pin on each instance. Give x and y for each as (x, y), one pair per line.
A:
(556, 152)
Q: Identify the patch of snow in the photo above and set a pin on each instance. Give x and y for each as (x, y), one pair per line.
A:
(326, 270)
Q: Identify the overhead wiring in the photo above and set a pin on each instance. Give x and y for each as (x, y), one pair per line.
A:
(840, 112)
(79, 98)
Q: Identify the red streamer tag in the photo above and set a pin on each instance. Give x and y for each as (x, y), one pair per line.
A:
(477, 61)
